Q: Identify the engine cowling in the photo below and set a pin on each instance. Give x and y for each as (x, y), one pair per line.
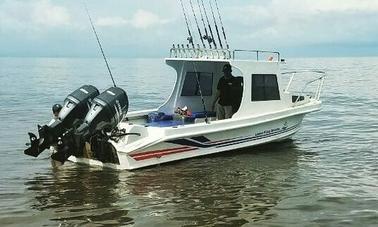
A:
(77, 105)
(107, 110)
(74, 110)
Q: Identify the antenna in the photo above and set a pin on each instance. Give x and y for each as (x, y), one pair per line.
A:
(220, 19)
(99, 44)
(215, 23)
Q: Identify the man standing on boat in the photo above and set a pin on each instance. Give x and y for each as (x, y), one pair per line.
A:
(224, 94)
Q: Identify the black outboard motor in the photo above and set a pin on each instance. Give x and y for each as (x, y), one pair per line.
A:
(75, 108)
(77, 104)
(107, 110)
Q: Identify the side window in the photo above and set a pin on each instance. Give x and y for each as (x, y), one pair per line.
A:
(191, 87)
(264, 87)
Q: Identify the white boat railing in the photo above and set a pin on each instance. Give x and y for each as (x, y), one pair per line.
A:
(204, 53)
(319, 78)
(182, 51)
(258, 55)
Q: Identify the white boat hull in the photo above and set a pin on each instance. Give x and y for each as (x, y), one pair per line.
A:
(216, 142)
(258, 120)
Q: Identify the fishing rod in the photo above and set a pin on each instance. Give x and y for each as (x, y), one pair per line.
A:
(195, 18)
(208, 23)
(215, 23)
(204, 26)
(190, 38)
(220, 19)
(99, 44)
(200, 91)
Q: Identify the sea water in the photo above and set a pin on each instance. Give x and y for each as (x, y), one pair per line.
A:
(327, 175)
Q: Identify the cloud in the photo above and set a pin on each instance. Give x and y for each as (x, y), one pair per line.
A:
(44, 13)
(345, 5)
(142, 19)
(305, 22)
(111, 21)
(32, 16)
(145, 19)
(265, 24)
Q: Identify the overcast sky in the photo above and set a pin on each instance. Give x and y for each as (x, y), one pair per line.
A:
(148, 28)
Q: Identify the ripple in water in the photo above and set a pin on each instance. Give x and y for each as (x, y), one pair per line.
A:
(327, 175)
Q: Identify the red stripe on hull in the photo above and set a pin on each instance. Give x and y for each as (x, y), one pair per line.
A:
(160, 153)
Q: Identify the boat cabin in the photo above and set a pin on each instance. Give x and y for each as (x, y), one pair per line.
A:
(257, 87)
(256, 90)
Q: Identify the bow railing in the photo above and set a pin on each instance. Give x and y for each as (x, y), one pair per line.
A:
(320, 77)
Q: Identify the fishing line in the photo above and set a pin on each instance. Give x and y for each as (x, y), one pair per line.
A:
(204, 25)
(200, 91)
(191, 27)
(198, 28)
(220, 19)
(190, 38)
(208, 23)
(215, 23)
(99, 44)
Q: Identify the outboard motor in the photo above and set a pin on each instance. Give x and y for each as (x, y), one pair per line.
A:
(75, 108)
(107, 110)
(76, 105)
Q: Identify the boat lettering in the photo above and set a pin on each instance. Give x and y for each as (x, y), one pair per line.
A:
(269, 131)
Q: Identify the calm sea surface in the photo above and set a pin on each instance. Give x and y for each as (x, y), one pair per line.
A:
(326, 176)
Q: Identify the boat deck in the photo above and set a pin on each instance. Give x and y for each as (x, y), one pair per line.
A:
(160, 119)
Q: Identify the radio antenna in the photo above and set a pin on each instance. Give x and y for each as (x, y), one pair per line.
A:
(99, 44)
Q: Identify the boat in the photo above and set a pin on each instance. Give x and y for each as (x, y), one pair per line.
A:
(97, 129)
(267, 111)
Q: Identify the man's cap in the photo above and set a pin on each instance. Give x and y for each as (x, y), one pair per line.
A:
(227, 68)
(56, 108)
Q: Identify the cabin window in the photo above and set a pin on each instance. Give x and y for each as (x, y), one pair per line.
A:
(265, 87)
(191, 87)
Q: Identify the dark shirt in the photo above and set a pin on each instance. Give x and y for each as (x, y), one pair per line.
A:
(225, 88)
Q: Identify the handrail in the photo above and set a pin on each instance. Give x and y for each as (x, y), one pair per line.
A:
(305, 71)
(181, 51)
(318, 89)
(189, 52)
(257, 52)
